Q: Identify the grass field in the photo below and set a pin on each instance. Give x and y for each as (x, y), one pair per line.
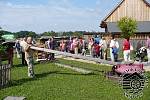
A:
(55, 83)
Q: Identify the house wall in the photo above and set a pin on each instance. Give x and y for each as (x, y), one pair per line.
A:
(135, 37)
(136, 9)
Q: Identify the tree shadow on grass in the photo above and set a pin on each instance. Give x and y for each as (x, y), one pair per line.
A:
(20, 65)
(42, 75)
(25, 80)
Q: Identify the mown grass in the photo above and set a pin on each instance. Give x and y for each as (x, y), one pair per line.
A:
(56, 83)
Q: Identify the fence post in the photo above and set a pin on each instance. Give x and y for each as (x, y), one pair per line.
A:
(5, 75)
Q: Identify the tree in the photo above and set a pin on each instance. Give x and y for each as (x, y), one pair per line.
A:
(32, 34)
(23, 34)
(77, 34)
(128, 26)
(49, 33)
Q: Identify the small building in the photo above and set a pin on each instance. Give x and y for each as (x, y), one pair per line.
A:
(136, 9)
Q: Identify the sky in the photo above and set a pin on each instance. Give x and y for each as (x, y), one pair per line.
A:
(57, 15)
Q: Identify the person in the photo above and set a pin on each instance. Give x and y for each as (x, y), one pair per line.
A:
(126, 49)
(70, 46)
(29, 57)
(97, 39)
(148, 48)
(50, 44)
(96, 50)
(90, 45)
(114, 47)
(52, 47)
(18, 48)
(103, 46)
(83, 47)
(139, 45)
(62, 46)
(76, 45)
(80, 45)
(22, 44)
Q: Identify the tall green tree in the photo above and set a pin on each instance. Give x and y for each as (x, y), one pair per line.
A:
(128, 26)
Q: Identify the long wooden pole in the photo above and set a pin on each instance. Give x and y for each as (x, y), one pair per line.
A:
(98, 60)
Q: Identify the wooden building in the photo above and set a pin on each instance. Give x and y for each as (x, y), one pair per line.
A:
(136, 9)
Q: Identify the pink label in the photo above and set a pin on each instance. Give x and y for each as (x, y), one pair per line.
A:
(129, 68)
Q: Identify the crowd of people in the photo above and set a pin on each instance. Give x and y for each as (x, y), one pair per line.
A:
(97, 47)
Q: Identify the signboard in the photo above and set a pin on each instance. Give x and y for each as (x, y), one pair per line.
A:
(129, 68)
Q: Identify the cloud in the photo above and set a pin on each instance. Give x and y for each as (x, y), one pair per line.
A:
(57, 15)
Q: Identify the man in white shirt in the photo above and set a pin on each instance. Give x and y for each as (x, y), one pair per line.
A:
(113, 44)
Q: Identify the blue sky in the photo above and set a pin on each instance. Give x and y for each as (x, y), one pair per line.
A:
(56, 15)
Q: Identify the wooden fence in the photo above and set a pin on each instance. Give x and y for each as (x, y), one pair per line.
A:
(5, 75)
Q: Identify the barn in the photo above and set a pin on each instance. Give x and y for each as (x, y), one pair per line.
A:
(136, 9)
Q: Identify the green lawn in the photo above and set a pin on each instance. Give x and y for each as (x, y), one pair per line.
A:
(55, 83)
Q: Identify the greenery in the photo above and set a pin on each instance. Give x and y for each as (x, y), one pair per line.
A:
(56, 83)
(2, 48)
(52, 33)
(23, 34)
(49, 33)
(128, 26)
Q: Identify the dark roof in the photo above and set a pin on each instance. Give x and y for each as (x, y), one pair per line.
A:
(143, 27)
(119, 4)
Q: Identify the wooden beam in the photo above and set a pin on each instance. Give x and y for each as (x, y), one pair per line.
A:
(77, 56)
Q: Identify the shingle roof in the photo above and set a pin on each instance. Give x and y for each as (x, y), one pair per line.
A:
(143, 27)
